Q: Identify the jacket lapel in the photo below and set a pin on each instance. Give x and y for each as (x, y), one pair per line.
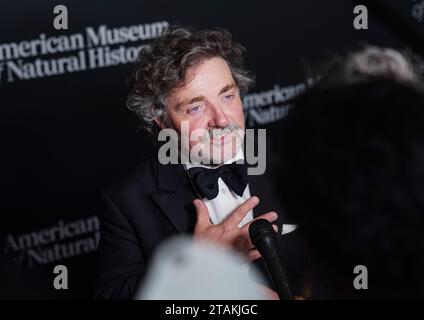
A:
(174, 197)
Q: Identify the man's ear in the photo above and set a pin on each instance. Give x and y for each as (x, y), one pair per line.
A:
(159, 122)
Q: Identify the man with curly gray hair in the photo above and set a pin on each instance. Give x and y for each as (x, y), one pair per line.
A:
(194, 81)
(159, 70)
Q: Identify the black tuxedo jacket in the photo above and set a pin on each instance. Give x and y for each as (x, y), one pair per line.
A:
(154, 202)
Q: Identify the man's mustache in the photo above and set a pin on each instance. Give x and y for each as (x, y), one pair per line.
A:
(214, 133)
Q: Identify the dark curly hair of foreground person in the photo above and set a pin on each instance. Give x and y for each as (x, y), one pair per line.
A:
(353, 174)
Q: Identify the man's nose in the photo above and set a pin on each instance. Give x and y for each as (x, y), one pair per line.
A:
(218, 119)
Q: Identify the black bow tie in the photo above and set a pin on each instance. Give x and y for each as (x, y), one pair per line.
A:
(206, 180)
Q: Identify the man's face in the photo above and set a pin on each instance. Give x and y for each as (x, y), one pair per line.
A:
(208, 99)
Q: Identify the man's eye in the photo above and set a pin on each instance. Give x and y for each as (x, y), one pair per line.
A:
(229, 97)
(194, 109)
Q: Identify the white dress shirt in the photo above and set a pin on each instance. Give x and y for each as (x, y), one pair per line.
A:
(227, 200)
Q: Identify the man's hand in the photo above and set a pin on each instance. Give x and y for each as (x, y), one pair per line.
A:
(228, 233)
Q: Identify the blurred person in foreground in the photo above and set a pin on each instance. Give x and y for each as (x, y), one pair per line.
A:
(352, 173)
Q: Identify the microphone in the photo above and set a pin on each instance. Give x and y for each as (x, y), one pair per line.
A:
(264, 239)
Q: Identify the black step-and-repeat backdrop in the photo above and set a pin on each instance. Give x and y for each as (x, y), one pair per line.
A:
(64, 125)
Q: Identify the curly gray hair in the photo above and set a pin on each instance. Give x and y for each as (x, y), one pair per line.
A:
(162, 65)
